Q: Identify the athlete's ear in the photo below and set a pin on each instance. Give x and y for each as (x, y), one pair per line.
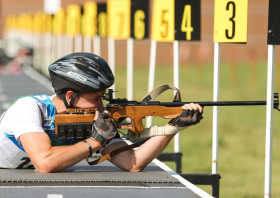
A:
(68, 96)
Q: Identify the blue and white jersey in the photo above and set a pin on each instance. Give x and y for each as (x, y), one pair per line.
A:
(24, 116)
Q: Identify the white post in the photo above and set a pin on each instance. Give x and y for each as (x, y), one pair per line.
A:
(42, 52)
(216, 94)
(96, 45)
(176, 78)
(78, 43)
(111, 58)
(152, 72)
(69, 44)
(130, 68)
(35, 50)
(39, 51)
(269, 120)
(47, 53)
(87, 44)
(66, 45)
(31, 36)
(54, 47)
(59, 53)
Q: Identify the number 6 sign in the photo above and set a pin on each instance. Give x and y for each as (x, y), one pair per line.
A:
(139, 19)
(230, 21)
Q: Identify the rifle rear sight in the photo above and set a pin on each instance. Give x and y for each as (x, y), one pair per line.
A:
(109, 97)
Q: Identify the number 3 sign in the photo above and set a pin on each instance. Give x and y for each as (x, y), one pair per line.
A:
(176, 20)
(230, 21)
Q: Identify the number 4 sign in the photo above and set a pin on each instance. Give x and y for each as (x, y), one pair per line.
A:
(230, 21)
(176, 20)
(187, 20)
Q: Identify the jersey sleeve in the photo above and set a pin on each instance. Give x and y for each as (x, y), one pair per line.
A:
(24, 117)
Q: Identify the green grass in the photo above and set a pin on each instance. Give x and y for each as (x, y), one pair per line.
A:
(241, 129)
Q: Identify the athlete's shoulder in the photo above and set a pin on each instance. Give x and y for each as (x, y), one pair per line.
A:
(34, 99)
(24, 102)
(40, 97)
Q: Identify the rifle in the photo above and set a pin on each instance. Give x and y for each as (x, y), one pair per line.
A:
(77, 123)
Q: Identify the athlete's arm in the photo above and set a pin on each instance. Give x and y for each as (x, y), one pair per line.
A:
(137, 160)
(26, 125)
(47, 159)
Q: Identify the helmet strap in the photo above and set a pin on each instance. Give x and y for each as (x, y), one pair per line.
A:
(71, 100)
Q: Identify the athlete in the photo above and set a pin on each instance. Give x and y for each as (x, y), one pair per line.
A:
(27, 137)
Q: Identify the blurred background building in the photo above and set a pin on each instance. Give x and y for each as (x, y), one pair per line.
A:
(190, 52)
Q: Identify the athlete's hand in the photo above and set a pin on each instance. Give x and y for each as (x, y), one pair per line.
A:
(192, 114)
(105, 127)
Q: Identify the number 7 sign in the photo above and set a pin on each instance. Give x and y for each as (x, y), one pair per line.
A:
(230, 21)
(118, 18)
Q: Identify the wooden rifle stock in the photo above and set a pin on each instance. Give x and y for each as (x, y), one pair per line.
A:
(135, 113)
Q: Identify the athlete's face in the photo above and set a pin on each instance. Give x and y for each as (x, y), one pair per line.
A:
(89, 100)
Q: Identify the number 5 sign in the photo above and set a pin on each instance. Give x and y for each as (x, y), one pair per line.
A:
(230, 21)
(176, 20)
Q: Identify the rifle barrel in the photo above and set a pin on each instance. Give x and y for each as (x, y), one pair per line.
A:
(125, 102)
(221, 103)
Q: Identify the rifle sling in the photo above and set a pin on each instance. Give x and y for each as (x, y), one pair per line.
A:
(157, 91)
(115, 152)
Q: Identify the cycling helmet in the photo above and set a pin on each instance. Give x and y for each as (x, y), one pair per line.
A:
(82, 72)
